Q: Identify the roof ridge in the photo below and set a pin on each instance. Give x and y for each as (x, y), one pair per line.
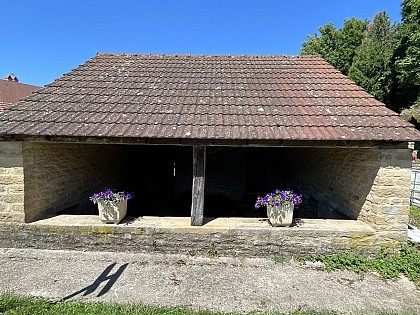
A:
(19, 84)
(208, 55)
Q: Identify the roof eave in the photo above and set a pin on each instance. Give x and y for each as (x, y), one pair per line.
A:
(367, 143)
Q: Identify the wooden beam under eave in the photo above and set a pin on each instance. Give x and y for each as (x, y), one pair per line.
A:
(199, 170)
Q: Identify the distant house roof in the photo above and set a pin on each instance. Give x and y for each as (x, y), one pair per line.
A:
(206, 97)
(11, 91)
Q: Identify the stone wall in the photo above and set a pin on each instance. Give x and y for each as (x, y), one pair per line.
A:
(387, 204)
(58, 176)
(228, 241)
(339, 178)
(11, 182)
(367, 184)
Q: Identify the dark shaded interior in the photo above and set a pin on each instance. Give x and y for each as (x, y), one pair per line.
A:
(161, 178)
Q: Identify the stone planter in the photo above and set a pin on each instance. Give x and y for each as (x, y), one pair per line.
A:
(112, 214)
(281, 215)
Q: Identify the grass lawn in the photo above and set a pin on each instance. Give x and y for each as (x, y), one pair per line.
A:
(12, 304)
(414, 216)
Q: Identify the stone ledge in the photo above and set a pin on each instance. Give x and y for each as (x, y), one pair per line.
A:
(230, 236)
(209, 223)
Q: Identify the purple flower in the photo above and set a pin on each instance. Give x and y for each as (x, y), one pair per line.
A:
(109, 197)
(278, 198)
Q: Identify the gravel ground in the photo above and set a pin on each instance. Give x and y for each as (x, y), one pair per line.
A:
(223, 284)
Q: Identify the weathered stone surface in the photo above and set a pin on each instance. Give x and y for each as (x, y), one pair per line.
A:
(387, 203)
(395, 191)
(395, 172)
(10, 179)
(11, 161)
(392, 181)
(11, 182)
(58, 176)
(258, 239)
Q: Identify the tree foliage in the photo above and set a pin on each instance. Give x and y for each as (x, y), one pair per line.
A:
(337, 46)
(351, 37)
(382, 57)
(372, 66)
(409, 63)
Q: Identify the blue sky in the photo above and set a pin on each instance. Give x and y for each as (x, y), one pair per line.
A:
(41, 40)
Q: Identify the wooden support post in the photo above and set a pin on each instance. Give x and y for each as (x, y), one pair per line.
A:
(199, 169)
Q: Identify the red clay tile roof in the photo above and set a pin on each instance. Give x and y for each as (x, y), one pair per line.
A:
(11, 92)
(3, 105)
(206, 97)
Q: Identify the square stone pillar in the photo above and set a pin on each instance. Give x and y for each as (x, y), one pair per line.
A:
(11, 182)
(387, 204)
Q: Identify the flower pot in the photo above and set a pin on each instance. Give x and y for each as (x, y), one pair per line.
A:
(280, 215)
(112, 213)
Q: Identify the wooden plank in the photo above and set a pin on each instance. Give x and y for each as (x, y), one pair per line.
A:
(218, 142)
(197, 142)
(199, 169)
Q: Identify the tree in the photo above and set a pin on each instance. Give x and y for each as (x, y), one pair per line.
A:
(336, 46)
(373, 66)
(408, 55)
(382, 57)
(350, 38)
(324, 44)
(409, 64)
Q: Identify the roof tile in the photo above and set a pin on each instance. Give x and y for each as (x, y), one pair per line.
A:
(206, 97)
(11, 92)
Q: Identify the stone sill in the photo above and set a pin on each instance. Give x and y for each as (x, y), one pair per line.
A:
(210, 224)
(252, 237)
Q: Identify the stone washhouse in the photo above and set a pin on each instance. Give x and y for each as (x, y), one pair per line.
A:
(197, 138)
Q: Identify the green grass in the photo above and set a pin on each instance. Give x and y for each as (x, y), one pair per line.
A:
(13, 304)
(280, 259)
(389, 264)
(212, 251)
(414, 216)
